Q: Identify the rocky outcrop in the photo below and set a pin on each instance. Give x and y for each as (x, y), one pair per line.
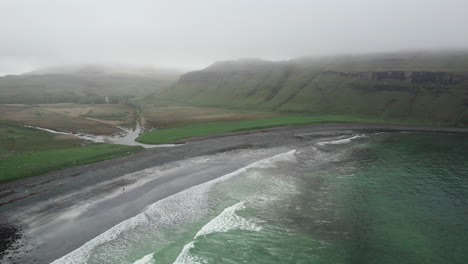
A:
(445, 78)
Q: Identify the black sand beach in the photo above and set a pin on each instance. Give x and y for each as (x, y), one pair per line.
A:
(111, 191)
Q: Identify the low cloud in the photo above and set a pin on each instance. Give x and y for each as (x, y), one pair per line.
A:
(192, 34)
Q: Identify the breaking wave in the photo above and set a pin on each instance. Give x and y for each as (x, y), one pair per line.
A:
(179, 208)
(224, 222)
(339, 141)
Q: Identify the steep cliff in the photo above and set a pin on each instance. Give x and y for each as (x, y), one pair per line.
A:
(411, 89)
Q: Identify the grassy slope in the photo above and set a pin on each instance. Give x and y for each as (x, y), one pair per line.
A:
(27, 152)
(69, 88)
(169, 135)
(432, 104)
(307, 87)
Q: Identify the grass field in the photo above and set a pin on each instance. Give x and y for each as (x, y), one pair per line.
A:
(112, 114)
(27, 152)
(169, 135)
(30, 163)
(98, 119)
(170, 116)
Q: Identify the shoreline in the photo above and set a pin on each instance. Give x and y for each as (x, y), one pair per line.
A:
(339, 126)
(58, 191)
(197, 146)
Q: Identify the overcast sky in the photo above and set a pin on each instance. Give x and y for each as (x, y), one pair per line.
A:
(193, 33)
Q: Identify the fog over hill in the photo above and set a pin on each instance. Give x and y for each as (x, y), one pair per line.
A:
(193, 34)
(84, 84)
(428, 88)
(148, 71)
(233, 131)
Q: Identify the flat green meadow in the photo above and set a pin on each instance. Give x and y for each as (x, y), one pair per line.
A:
(173, 134)
(26, 152)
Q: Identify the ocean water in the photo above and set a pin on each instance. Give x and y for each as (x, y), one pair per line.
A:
(373, 198)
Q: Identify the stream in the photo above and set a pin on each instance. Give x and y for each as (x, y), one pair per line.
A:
(127, 136)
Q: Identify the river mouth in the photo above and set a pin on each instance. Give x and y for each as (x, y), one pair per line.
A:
(127, 136)
(359, 198)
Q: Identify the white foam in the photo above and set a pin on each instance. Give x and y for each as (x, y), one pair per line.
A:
(49, 130)
(186, 258)
(174, 209)
(148, 259)
(81, 254)
(228, 220)
(271, 162)
(142, 176)
(339, 141)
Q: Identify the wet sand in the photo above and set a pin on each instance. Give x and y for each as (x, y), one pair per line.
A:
(100, 195)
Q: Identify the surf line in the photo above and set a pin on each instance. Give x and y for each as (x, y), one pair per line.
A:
(81, 254)
(340, 141)
(227, 220)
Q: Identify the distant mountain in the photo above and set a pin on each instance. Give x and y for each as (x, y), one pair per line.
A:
(424, 88)
(83, 84)
(151, 72)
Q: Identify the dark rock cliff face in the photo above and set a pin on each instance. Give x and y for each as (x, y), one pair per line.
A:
(445, 78)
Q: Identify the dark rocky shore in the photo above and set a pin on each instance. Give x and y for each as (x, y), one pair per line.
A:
(20, 198)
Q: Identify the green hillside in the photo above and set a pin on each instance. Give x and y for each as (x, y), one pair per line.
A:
(412, 88)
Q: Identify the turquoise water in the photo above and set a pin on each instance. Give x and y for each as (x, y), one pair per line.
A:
(382, 198)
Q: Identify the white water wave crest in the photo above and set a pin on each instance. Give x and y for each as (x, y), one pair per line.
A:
(182, 207)
(339, 141)
(186, 258)
(148, 259)
(228, 220)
